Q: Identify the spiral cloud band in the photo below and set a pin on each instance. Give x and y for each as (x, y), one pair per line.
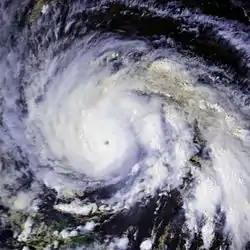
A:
(105, 125)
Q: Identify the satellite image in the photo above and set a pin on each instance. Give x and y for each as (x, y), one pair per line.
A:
(124, 125)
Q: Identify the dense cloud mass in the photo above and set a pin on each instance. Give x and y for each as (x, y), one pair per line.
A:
(124, 125)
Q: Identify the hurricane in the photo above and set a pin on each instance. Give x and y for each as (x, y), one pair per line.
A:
(124, 125)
